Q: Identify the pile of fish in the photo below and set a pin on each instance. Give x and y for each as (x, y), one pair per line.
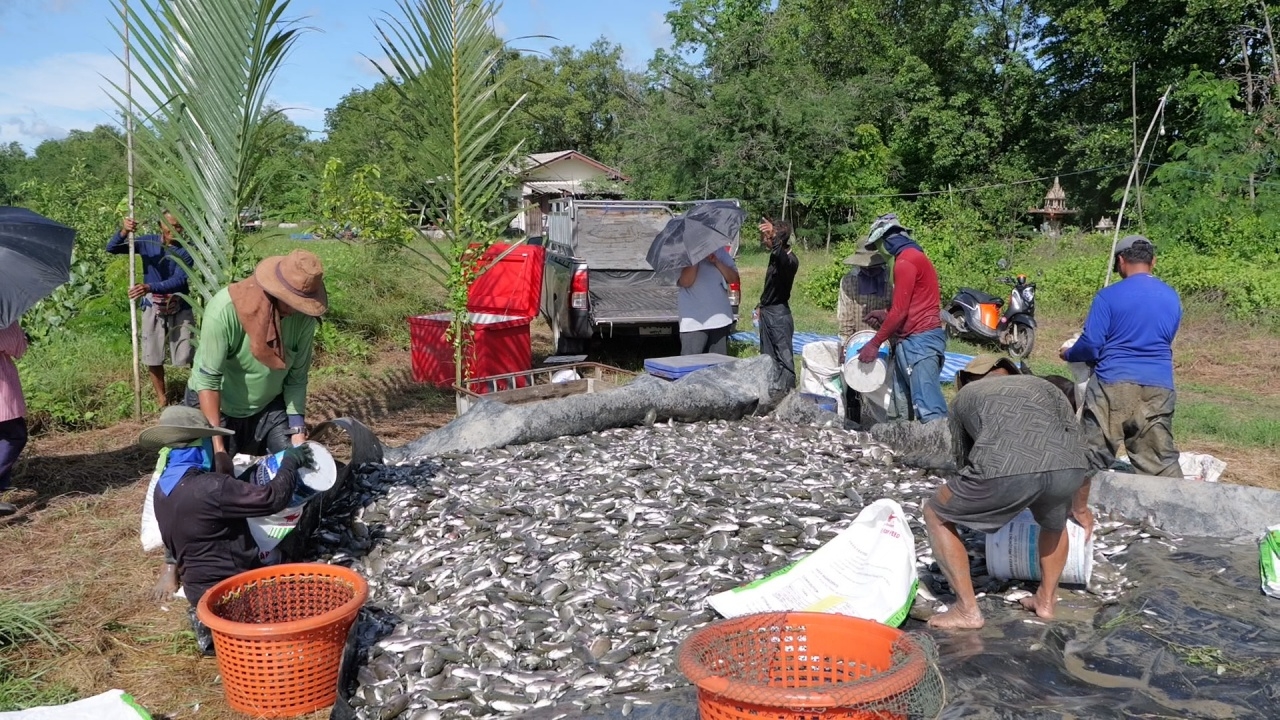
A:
(567, 572)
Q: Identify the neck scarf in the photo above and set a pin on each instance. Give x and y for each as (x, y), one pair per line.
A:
(898, 242)
(873, 281)
(261, 322)
(178, 461)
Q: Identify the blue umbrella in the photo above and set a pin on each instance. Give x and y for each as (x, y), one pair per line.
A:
(690, 238)
(35, 258)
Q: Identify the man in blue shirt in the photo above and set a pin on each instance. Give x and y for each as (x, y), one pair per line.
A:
(166, 317)
(1128, 341)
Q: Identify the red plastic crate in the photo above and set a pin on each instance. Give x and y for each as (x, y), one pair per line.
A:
(499, 344)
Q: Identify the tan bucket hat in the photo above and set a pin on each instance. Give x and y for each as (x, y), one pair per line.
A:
(865, 258)
(296, 279)
(179, 424)
(983, 364)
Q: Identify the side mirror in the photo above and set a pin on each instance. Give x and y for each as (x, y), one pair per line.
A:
(1002, 264)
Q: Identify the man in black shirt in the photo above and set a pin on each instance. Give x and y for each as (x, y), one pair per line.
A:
(776, 324)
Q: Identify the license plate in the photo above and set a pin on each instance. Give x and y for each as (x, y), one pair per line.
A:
(655, 331)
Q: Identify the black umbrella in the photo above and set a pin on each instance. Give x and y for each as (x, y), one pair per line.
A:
(690, 238)
(35, 258)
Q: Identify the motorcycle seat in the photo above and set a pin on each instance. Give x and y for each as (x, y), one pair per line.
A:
(982, 297)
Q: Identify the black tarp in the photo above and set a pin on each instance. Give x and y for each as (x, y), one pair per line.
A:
(1195, 639)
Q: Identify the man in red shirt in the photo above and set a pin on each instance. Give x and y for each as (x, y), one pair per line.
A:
(914, 319)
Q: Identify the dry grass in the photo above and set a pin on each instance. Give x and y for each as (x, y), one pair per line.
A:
(77, 537)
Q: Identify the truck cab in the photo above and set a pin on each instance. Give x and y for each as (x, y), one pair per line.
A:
(597, 283)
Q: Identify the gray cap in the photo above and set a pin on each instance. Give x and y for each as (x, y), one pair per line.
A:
(1129, 241)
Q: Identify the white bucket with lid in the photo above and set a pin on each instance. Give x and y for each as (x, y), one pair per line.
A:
(1013, 553)
(866, 378)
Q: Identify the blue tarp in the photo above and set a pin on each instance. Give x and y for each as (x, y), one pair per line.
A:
(955, 362)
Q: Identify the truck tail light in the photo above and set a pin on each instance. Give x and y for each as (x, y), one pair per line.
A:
(735, 294)
(578, 290)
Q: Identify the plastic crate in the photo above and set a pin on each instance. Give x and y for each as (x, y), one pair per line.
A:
(500, 344)
(677, 366)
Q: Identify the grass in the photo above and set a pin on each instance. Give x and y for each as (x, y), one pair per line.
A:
(23, 622)
(81, 379)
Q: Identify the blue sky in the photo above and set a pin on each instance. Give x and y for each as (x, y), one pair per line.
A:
(55, 53)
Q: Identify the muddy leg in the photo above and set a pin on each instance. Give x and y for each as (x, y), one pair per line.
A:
(1053, 558)
(949, 550)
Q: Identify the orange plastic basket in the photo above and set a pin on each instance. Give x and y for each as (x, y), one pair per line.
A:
(802, 665)
(279, 634)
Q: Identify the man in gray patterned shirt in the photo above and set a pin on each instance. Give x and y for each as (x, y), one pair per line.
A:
(1017, 446)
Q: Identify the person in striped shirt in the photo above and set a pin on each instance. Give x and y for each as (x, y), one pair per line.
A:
(13, 408)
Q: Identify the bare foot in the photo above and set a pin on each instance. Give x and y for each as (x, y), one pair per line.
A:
(166, 584)
(1043, 609)
(954, 619)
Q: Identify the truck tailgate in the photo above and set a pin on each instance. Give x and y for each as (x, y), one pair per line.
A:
(636, 304)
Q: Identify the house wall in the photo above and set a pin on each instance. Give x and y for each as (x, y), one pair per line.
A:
(570, 169)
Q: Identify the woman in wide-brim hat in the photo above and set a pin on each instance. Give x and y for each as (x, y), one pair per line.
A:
(254, 359)
(202, 513)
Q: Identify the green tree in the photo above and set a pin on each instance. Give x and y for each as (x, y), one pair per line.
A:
(574, 99)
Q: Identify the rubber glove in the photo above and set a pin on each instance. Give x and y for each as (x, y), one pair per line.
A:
(302, 456)
(868, 353)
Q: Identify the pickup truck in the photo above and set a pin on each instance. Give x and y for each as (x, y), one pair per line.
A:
(597, 283)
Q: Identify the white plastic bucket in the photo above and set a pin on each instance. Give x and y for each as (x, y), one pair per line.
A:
(1013, 553)
(863, 377)
(269, 531)
(820, 371)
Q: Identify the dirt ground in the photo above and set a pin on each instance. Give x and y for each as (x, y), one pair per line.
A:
(76, 537)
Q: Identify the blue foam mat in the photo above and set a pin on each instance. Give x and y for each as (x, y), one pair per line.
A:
(953, 364)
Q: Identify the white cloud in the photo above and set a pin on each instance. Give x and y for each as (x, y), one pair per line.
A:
(45, 98)
(28, 129)
(659, 31)
(369, 67)
(308, 116)
(499, 28)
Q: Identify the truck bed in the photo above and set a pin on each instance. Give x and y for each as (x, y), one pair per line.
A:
(634, 305)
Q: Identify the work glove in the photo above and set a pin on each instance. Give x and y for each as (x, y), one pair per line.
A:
(868, 353)
(302, 456)
(875, 318)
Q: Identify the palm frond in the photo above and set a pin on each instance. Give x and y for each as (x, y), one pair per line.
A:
(205, 68)
(443, 59)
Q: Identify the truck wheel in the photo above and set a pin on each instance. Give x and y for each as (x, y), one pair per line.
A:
(566, 345)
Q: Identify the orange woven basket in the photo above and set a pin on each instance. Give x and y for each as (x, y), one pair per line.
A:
(279, 633)
(802, 665)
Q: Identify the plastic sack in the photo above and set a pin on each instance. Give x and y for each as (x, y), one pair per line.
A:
(110, 705)
(820, 371)
(1201, 466)
(868, 571)
(1269, 561)
(150, 531)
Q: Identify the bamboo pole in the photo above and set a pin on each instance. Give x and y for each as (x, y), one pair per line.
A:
(1137, 160)
(133, 273)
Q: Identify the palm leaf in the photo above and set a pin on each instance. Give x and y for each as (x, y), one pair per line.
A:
(442, 58)
(206, 68)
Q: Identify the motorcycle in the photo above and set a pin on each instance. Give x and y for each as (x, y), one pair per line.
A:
(975, 316)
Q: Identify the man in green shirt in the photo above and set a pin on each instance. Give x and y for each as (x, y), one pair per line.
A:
(252, 363)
